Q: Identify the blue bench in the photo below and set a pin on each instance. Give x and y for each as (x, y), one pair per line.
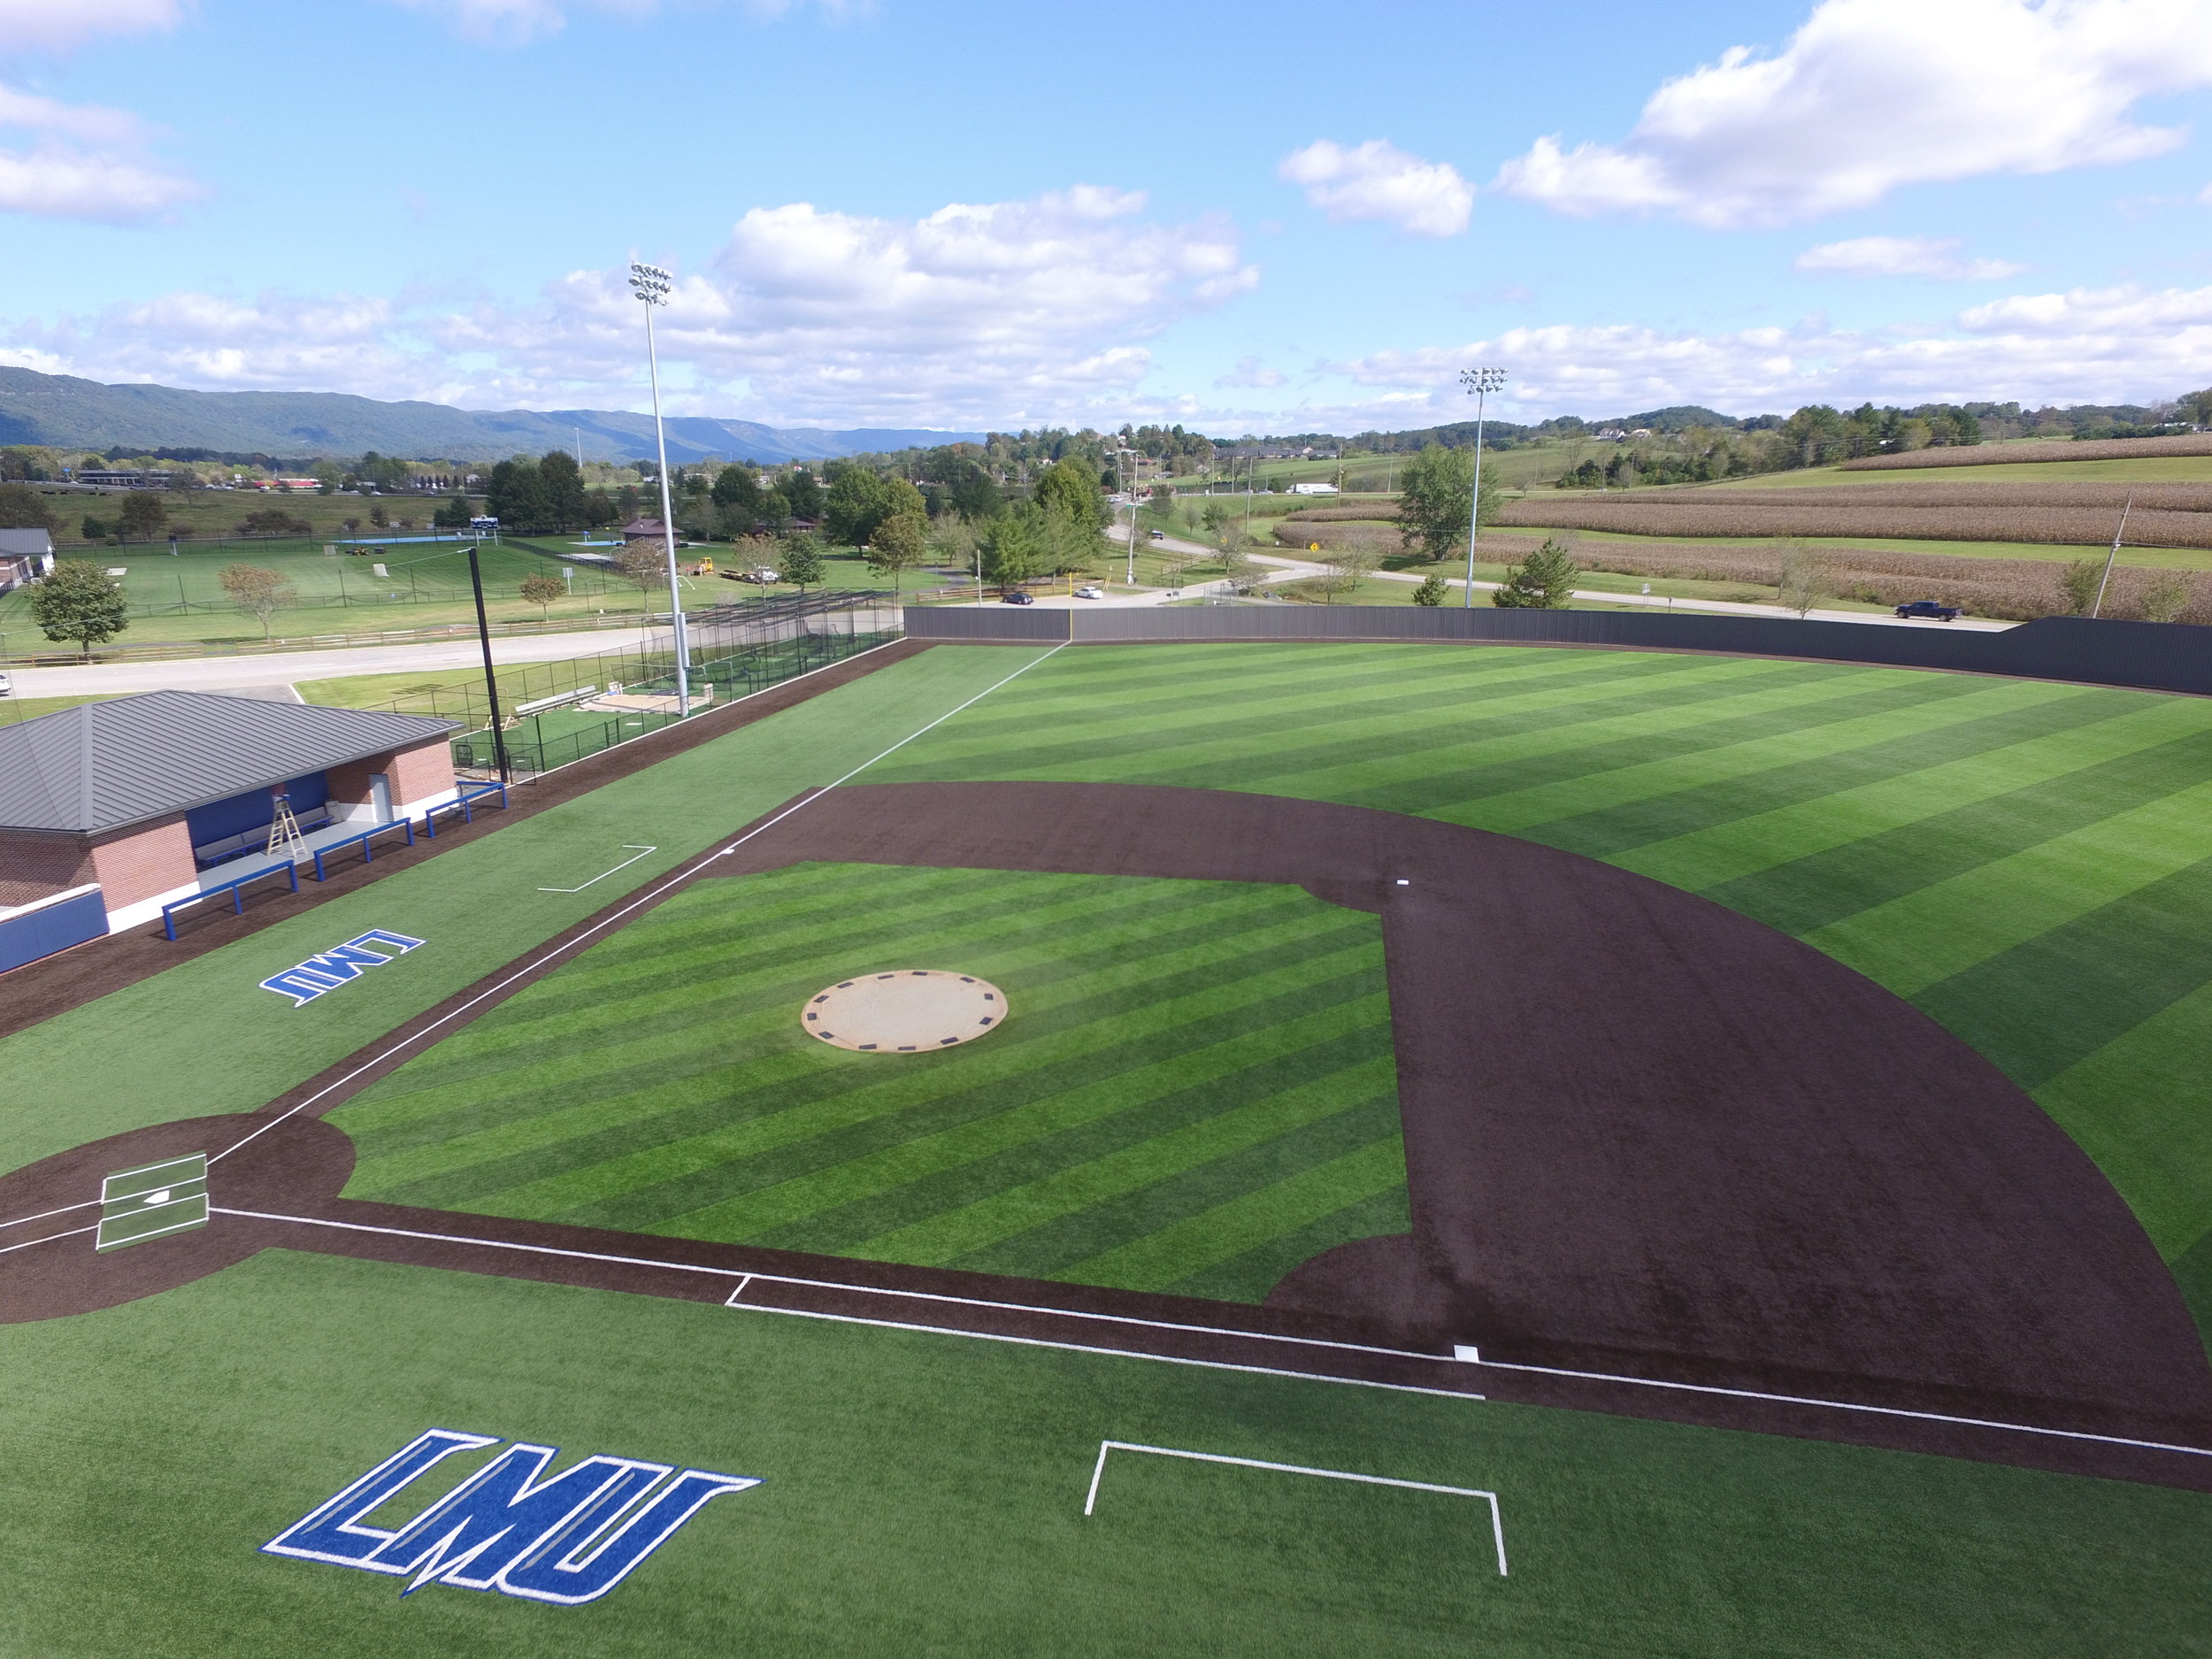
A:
(465, 803)
(232, 886)
(368, 853)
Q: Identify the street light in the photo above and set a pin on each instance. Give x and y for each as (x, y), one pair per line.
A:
(1479, 384)
(650, 284)
(1129, 489)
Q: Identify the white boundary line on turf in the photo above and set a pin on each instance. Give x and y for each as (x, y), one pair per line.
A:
(1846, 1405)
(744, 1276)
(673, 882)
(1497, 1523)
(18, 1221)
(628, 846)
(72, 1233)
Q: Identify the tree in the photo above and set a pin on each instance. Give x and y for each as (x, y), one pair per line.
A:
(1071, 487)
(975, 496)
(274, 521)
(1012, 547)
(952, 541)
(542, 590)
(80, 601)
(899, 542)
(516, 496)
(2193, 407)
(1435, 493)
(1431, 592)
(1803, 577)
(1236, 570)
(95, 529)
(801, 561)
(1349, 564)
(644, 563)
(856, 503)
(256, 591)
(562, 482)
(453, 514)
(737, 493)
(22, 508)
(2079, 582)
(1542, 581)
(802, 491)
(379, 516)
(2165, 599)
(144, 515)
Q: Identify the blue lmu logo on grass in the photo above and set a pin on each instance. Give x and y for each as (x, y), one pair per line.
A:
(333, 967)
(569, 1539)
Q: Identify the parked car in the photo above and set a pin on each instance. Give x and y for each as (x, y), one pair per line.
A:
(6, 685)
(1017, 598)
(1929, 608)
(1159, 535)
(1090, 593)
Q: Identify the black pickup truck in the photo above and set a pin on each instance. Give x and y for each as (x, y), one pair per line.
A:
(1929, 608)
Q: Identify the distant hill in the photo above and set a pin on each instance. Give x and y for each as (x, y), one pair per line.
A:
(72, 413)
(1681, 417)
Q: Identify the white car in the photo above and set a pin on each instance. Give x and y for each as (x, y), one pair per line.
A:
(6, 685)
(1090, 593)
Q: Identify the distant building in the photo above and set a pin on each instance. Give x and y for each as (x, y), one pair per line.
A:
(1611, 435)
(1640, 432)
(25, 556)
(644, 530)
(120, 479)
(110, 811)
(286, 483)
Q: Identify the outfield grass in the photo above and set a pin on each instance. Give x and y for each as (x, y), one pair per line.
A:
(1196, 1093)
(923, 1496)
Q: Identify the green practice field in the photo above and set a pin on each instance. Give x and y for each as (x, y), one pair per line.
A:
(1194, 1090)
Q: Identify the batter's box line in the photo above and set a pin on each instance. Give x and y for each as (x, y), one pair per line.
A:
(1098, 1473)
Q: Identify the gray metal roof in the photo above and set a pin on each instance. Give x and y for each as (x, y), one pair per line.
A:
(105, 765)
(18, 543)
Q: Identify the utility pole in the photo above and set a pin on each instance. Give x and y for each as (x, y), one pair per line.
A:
(491, 680)
(2112, 556)
(1479, 384)
(650, 284)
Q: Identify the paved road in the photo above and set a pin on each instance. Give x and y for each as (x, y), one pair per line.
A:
(284, 668)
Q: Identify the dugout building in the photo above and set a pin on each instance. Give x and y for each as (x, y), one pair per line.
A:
(110, 811)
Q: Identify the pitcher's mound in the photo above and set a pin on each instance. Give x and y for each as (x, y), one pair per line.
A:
(912, 1010)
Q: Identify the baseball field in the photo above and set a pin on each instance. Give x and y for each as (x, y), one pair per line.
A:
(1524, 1150)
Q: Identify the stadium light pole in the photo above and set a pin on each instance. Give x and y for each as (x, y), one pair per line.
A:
(650, 284)
(1479, 384)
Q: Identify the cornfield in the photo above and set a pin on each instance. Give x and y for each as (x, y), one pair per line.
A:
(2016, 590)
(2084, 517)
(2004, 454)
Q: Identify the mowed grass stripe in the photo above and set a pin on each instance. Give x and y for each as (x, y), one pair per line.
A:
(1760, 840)
(1233, 1229)
(679, 1176)
(1909, 943)
(1250, 1276)
(644, 1127)
(1085, 1186)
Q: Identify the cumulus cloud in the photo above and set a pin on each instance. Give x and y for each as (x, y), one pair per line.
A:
(83, 161)
(2100, 345)
(1869, 95)
(515, 22)
(1379, 182)
(1935, 256)
(1252, 372)
(1002, 311)
(57, 25)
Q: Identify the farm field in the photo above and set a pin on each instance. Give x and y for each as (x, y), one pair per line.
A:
(2027, 863)
(1833, 514)
(2150, 468)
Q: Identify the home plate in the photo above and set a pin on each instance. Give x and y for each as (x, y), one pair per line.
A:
(909, 1010)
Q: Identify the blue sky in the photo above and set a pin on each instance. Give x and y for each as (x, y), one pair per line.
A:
(972, 214)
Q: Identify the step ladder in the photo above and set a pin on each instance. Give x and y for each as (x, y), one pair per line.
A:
(284, 833)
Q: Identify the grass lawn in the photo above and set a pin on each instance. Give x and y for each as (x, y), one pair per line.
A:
(14, 709)
(1196, 1092)
(923, 1495)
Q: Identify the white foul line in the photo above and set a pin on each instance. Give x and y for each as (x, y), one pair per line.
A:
(627, 847)
(48, 1238)
(673, 882)
(1497, 1524)
(20, 1220)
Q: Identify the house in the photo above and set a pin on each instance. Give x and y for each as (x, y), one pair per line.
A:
(25, 556)
(644, 530)
(110, 811)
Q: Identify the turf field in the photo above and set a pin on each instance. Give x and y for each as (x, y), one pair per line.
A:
(2032, 864)
(1197, 1093)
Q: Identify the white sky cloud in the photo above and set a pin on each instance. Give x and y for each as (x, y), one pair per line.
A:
(1903, 256)
(84, 161)
(57, 25)
(1251, 372)
(979, 314)
(515, 21)
(1379, 182)
(2105, 345)
(1870, 96)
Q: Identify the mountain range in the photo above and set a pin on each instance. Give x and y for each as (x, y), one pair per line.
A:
(66, 412)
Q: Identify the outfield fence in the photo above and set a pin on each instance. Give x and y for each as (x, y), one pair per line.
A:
(736, 649)
(2147, 655)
